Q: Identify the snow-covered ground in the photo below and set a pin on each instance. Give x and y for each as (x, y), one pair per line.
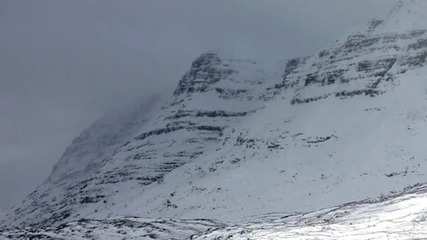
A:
(118, 228)
(402, 215)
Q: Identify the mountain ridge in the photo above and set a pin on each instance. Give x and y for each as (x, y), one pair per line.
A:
(237, 140)
(170, 120)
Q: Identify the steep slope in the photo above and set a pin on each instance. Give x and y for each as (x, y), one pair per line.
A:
(349, 124)
(100, 140)
(406, 15)
(216, 93)
(85, 155)
(401, 215)
(237, 140)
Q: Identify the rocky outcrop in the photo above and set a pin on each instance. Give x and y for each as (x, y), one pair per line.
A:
(362, 62)
(206, 70)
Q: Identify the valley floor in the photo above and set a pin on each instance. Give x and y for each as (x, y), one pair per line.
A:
(400, 215)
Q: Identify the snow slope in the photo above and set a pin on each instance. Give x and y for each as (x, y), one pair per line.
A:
(239, 138)
(85, 155)
(118, 228)
(401, 215)
(406, 15)
(100, 139)
(216, 93)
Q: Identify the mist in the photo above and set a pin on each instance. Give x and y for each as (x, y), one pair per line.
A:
(63, 64)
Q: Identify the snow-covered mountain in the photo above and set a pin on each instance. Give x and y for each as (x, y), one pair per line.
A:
(241, 137)
(117, 158)
(401, 215)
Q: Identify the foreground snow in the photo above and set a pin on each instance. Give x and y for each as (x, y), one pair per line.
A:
(400, 215)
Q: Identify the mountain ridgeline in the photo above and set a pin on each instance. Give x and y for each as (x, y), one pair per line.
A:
(239, 139)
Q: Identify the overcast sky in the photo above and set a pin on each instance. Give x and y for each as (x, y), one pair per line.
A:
(65, 63)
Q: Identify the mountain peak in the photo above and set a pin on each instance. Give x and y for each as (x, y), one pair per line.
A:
(214, 66)
(207, 69)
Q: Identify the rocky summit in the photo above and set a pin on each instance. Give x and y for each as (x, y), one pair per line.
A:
(240, 138)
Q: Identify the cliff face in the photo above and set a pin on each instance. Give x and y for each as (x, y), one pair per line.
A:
(237, 140)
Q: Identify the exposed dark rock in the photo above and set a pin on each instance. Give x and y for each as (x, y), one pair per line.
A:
(307, 100)
(158, 132)
(204, 71)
